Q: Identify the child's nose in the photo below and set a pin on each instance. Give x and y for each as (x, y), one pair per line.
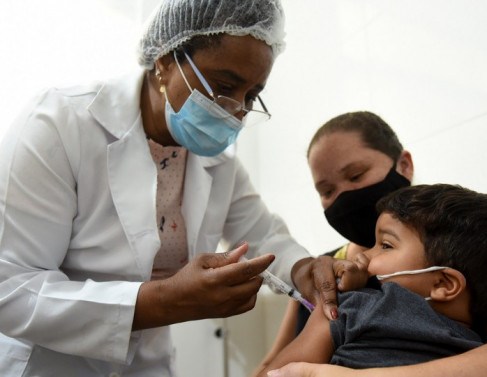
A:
(370, 253)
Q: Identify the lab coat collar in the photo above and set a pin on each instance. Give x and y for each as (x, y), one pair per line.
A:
(116, 106)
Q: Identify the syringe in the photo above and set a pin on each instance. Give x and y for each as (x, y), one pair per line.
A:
(274, 282)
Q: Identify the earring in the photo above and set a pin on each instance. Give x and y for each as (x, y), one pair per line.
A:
(162, 88)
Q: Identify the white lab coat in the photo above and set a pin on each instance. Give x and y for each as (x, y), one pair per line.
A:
(78, 232)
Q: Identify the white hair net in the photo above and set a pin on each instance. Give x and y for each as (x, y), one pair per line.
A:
(177, 21)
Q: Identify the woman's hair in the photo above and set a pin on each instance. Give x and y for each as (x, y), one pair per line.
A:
(374, 132)
(200, 42)
(175, 22)
(451, 222)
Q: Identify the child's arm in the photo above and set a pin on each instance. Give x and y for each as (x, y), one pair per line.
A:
(313, 345)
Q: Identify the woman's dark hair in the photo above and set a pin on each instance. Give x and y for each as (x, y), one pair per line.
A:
(200, 42)
(452, 224)
(374, 132)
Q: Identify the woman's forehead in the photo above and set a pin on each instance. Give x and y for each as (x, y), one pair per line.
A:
(339, 151)
(338, 146)
(245, 57)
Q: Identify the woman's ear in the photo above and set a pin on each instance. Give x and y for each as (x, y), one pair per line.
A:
(166, 62)
(405, 165)
(163, 68)
(449, 285)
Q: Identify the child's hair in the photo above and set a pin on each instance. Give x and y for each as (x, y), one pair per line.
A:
(452, 224)
(375, 133)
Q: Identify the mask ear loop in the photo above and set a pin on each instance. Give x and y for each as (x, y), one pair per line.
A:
(199, 75)
(181, 70)
(412, 272)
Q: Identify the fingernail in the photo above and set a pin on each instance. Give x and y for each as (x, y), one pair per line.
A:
(334, 313)
(273, 373)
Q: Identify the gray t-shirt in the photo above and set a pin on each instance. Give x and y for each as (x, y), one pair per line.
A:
(394, 326)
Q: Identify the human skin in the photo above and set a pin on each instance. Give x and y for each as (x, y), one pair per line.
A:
(398, 247)
(210, 286)
(341, 161)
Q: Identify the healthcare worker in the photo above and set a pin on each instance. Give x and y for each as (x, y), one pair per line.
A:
(114, 195)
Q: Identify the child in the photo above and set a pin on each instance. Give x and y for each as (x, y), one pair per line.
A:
(430, 256)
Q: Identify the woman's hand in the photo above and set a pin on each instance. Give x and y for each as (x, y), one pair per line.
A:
(212, 285)
(319, 278)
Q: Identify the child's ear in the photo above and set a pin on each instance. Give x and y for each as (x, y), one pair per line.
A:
(449, 285)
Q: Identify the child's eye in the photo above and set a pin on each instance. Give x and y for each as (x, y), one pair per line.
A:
(385, 245)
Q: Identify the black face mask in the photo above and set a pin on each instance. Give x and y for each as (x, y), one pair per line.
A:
(353, 213)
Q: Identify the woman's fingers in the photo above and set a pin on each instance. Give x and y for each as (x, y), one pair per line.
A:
(224, 267)
(217, 284)
(324, 275)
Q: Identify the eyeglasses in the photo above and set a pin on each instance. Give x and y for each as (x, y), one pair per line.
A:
(230, 105)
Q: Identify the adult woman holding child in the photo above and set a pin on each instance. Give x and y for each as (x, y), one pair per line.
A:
(355, 159)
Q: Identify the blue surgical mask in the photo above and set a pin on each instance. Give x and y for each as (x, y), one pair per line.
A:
(201, 126)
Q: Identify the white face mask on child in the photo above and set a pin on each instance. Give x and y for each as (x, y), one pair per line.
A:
(412, 272)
